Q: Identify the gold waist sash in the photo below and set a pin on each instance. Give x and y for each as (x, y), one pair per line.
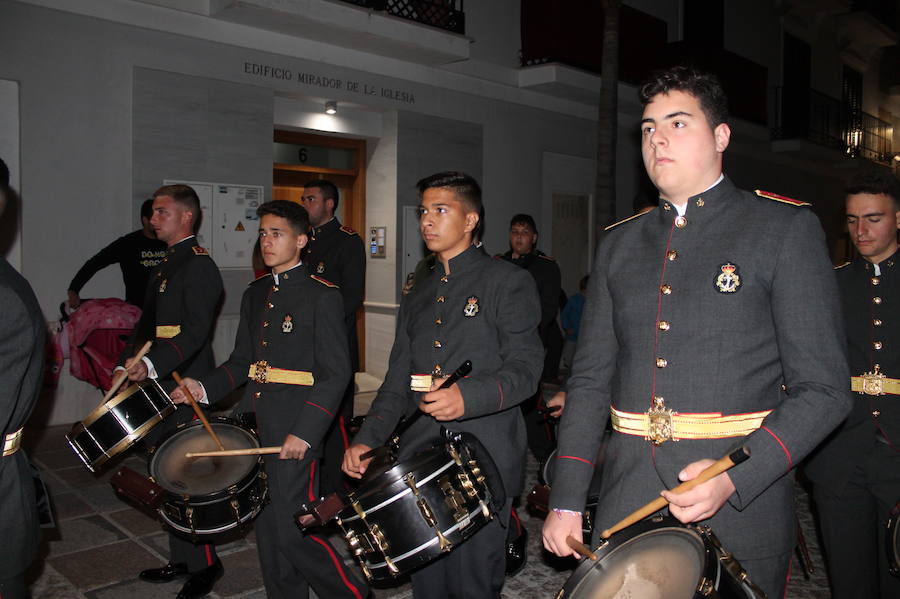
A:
(686, 426)
(261, 372)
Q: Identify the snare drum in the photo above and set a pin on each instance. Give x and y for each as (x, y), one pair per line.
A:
(413, 512)
(208, 495)
(116, 424)
(892, 540)
(660, 559)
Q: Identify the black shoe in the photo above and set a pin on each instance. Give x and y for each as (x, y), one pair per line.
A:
(201, 582)
(516, 554)
(168, 572)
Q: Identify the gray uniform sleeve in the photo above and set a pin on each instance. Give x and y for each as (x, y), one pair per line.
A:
(588, 394)
(392, 401)
(811, 344)
(517, 317)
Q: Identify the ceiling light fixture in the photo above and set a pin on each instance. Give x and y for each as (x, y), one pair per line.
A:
(331, 107)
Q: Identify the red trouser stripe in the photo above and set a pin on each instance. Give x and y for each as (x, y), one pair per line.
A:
(209, 559)
(312, 480)
(338, 566)
(518, 522)
(343, 432)
(788, 579)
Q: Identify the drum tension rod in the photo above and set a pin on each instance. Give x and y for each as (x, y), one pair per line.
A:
(427, 513)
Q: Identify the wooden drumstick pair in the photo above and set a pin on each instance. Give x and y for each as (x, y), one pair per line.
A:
(716, 468)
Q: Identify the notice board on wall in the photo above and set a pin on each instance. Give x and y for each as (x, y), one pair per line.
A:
(230, 226)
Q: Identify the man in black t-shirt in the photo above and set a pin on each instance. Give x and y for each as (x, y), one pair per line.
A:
(136, 253)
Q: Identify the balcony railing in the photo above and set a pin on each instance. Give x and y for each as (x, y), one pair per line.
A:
(802, 113)
(443, 14)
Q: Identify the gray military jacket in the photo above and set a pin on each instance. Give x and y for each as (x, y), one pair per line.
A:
(486, 311)
(660, 321)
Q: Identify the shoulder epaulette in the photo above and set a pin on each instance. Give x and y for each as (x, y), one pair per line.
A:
(778, 198)
(325, 282)
(840, 266)
(199, 251)
(348, 230)
(625, 220)
(546, 257)
(260, 277)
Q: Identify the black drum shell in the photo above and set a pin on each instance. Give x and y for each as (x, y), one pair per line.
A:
(212, 513)
(892, 540)
(118, 423)
(404, 528)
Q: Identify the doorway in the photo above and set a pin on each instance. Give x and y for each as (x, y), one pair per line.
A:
(302, 157)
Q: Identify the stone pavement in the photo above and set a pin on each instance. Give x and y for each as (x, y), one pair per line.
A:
(101, 543)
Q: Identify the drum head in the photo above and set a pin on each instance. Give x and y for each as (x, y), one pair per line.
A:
(202, 476)
(661, 564)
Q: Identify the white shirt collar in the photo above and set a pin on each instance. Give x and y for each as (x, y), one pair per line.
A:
(275, 275)
(682, 209)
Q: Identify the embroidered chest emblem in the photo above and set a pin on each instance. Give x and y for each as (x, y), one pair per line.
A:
(320, 268)
(288, 324)
(728, 281)
(162, 286)
(471, 308)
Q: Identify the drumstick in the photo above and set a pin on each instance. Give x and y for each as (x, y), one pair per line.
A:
(230, 452)
(464, 369)
(716, 468)
(197, 410)
(580, 548)
(123, 374)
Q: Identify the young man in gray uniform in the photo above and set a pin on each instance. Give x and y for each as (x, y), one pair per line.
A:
(721, 303)
(179, 312)
(291, 353)
(336, 252)
(21, 371)
(856, 473)
(469, 307)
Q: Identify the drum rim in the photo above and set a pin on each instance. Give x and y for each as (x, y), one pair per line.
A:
(434, 539)
(399, 470)
(241, 483)
(121, 445)
(395, 497)
(211, 531)
(118, 398)
(645, 526)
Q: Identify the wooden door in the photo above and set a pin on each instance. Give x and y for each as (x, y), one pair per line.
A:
(303, 157)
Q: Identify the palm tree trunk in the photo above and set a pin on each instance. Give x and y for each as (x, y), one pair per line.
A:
(607, 121)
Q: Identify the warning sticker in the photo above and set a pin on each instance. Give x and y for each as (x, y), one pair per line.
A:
(240, 226)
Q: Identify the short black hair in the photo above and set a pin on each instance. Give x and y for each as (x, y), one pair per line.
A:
(874, 181)
(147, 208)
(329, 190)
(464, 186)
(688, 79)
(293, 212)
(186, 197)
(523, 219)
